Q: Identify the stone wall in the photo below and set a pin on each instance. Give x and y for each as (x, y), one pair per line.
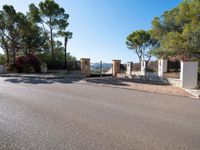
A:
(85, 66)
(116, 67)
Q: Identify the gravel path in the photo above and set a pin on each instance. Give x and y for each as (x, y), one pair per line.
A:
(130, 84)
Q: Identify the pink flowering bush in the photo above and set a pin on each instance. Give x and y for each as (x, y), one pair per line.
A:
(27, 64)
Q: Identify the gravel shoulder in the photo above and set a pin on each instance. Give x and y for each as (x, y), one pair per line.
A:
(134, 85)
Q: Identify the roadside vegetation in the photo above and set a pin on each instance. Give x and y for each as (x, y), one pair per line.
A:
(33, 38)
(176, 33)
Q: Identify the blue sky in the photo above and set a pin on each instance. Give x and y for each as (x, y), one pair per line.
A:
(100, 27)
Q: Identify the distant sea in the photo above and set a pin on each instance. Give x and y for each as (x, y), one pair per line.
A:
(96, 66)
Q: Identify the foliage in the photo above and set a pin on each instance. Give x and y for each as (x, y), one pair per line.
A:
(32, 39)
(35, 33)
(58, 64)
(52, 18)
(9, 30)
(178, 31)
(19, 36)
(27, 64)
(2, 59)
(173, 66)
(140, 41)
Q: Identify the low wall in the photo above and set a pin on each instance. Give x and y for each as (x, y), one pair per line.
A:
(153, 76)
(174, 82)
(138, 73)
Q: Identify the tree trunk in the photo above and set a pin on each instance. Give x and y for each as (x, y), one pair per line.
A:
(7, 51)
(7, 57)
(52, 45)
(66, 40)
(14, 55)
(148, 60)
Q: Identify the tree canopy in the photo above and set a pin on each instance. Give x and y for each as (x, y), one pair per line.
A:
(140, 41)
(178, 31)
(37, 32)
(51, 18)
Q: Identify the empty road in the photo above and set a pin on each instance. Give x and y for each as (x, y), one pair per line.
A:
(37, 114)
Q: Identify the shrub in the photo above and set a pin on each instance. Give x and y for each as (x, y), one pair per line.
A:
(2, 59)
(59, 62)
(173, 66)
(27, 64)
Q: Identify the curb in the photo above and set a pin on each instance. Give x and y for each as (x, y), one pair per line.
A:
(195, 95)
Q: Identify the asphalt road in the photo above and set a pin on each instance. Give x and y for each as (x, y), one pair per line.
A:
(60, 115)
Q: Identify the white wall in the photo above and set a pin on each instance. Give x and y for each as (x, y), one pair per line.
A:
(129, 68)
(143, 68)
(189, 74)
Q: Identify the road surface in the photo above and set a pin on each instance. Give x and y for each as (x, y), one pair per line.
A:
(37, 114)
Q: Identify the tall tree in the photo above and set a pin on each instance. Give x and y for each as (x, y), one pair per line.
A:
(32, 39)
(140, 41)
(178, 31)
(9, 21)
(67, 35)
(52, 18)
(4, 45)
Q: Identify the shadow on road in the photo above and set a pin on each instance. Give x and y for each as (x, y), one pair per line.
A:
(121, 81)
(34, 80)
(70, 80)
(106, 81)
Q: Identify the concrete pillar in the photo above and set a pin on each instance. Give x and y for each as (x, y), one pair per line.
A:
(189, 74)
(129, 68)
(115, 67)
(162, 67)
(85, 66)
(143, 68)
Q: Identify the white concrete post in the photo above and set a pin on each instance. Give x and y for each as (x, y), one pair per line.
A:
(162, 67)
(129, 68)
(143, 68)
(189, 74)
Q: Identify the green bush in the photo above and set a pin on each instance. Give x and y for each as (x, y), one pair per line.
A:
(59, 62)
(2, 59)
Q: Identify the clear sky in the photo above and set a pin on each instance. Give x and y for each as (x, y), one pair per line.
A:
(100, 27)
